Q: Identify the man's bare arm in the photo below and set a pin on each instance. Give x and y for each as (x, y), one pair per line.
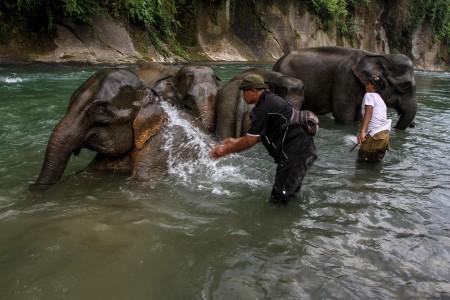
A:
(233, 145)
(368, 112)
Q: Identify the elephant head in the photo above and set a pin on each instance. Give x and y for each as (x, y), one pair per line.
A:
(193, 87)
(151, 72)
(196, 88)
(397, 73)
(287, 87)
(110, 113)
(233, 113)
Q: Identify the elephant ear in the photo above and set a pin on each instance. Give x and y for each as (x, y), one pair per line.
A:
(148, 122)
(370, 66)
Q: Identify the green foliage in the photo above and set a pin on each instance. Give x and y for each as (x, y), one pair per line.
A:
(337, 12)
(340, 13)
(434, 12)
(330, 11)
(158, 17)
(42, 13)
(81, 10)
(437, 12)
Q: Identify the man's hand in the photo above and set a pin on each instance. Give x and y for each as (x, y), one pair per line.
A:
(368, 112)
(361, 137)
(231, 145)
(218, 151)
(221, 150)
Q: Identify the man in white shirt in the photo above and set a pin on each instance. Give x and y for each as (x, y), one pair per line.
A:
(375, 126)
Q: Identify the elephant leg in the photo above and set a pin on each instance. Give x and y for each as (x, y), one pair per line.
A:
(344, 113)
(345, 101)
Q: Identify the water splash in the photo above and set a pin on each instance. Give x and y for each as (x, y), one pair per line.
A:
(350, 139)
(187, 145)
(189, 159)
(9, 79)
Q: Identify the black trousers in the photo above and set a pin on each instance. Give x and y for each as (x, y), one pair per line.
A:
(301, 154)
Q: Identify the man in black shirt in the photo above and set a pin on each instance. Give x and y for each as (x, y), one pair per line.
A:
(286, 141)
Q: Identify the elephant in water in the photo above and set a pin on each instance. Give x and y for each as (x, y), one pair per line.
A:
(113, 114)
(233, 114)
(335, 80)
(191, 87)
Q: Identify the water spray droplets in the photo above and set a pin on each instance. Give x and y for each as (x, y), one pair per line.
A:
(189, 158)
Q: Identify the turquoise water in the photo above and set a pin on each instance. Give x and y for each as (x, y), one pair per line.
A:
(206, 231)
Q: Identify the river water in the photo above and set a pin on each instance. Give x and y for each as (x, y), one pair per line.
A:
(207, 231)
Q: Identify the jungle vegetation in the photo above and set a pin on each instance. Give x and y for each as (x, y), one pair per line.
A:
(161, 18)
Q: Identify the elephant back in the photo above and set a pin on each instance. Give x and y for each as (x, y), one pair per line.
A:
(150, 73)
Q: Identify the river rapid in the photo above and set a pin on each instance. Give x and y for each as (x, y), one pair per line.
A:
(207, 230)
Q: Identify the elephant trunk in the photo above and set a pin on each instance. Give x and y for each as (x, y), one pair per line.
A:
(204, 96)
(208, 113)
(407, 115)
(64, 139)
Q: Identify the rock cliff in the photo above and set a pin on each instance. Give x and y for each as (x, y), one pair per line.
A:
(228, 30)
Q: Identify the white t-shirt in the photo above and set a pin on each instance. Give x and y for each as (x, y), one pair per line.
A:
(379, 120)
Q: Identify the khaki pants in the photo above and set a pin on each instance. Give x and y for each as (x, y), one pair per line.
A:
(374, 147)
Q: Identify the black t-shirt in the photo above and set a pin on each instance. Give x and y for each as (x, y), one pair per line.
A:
(270, 120)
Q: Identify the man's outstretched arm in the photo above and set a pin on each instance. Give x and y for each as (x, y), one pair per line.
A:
(232, 145)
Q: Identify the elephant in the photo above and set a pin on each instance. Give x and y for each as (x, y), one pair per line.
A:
(152, 72)
(113, 114)
(191, 87)
(233, 114)
(335, 80)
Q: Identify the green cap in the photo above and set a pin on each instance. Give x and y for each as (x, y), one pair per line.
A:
(253, 81)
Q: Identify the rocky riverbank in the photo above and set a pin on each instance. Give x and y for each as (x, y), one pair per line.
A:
(228, 30)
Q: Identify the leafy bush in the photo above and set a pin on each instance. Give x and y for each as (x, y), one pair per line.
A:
(158, 17)
(42, 13)
(340, 13)
(437, 12)
(337, 12)
(330, 11)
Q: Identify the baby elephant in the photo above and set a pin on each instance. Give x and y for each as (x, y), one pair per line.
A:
(191, 87)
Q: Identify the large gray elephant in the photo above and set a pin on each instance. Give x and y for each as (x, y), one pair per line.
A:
(113, 114)
(233, 114)
(335, 77)
(192, 87)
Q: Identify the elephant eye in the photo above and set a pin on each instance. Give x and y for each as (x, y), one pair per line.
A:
(99, 107)
(100, 110)
(100, 113)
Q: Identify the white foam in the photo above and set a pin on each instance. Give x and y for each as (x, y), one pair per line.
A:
(11, 79)
(220, 191)
(350, 139)
(189, 159)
